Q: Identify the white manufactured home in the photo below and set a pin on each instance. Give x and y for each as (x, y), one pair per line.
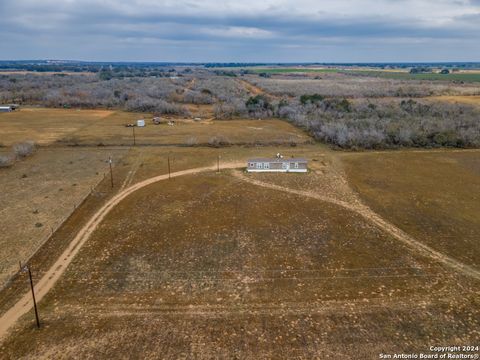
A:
(277, 165)
(6, 109)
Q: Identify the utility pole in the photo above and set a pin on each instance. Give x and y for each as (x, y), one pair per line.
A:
(218, 164)
(25, 269)
(111, 171)
(133, 129)
(168, 166)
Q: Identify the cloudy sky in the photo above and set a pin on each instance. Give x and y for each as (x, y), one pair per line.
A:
(241, 30)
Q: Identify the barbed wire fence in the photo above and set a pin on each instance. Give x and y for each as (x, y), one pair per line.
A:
(54, 228)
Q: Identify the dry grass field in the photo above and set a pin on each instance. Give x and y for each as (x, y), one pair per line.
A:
(130, 167)
(46, 126)
(235, 265)
(211, 266)
(146, 162)
(433, 196)
(350, 86)
(458, 99)
(38, 193)
(105, 127)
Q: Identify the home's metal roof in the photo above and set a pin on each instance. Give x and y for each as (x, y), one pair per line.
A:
(278, 160)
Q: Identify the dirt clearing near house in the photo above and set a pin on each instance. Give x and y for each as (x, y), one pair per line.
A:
(210, 265)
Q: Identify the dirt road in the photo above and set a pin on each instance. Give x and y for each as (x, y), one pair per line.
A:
(44, 285)
(381, 223)
(255, 90)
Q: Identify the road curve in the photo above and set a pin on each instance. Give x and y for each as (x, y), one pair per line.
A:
(43, 286)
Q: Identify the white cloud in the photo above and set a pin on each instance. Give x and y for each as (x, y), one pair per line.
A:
(238, 32)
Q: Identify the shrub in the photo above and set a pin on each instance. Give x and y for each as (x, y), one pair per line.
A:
(7, 160)
(24, 149)
(256, 102)
(259, 107)
(191, 141)
(228, 110)
(218, 141)
(311, 98)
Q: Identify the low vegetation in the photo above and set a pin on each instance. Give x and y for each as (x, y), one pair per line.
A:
(40, 191)
(429, 195)
(18, 151)
(7, 160)
(24, 149)
(356, 86)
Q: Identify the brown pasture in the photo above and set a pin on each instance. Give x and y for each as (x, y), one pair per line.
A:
(105, 127)
(433, 196)
(210, 266)
(38, 193)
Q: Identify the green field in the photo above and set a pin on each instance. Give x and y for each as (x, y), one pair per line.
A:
(465, 77)
(293, 70)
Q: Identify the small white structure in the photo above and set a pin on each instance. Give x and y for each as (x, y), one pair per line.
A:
(6, 109)
(141, 123)
(278, 164)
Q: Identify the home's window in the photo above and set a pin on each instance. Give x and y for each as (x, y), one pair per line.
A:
(259, 165)
(252, 164)
(284, 165)
(296, 165)
(266, 165)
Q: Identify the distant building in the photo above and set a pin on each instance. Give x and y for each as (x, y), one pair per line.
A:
(278, 164)
(6, 109)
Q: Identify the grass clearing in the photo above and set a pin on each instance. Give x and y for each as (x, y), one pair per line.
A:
(210, 266)
(390, 74)
(46, 126)
(457, 99)
(105, 127)
(457, 77)
(294, 70)
(432, 196)
(38, 193)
